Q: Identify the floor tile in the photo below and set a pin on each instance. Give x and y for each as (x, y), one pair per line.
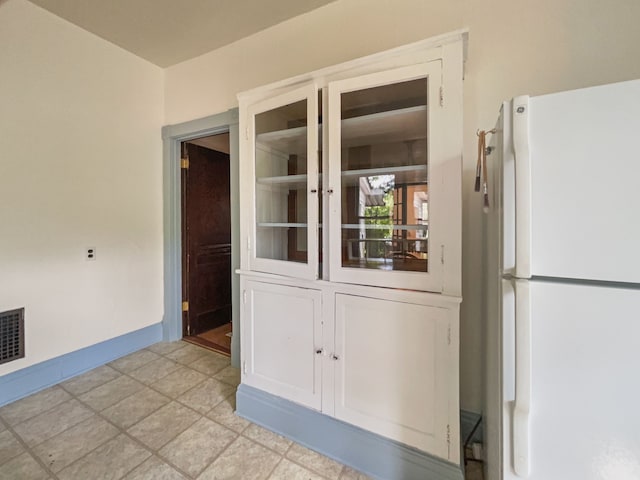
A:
(154, 469)
(229, 375)
(90, 380)
(287, 470)
(155, 370)
(161, 427)
(225, 414)
(48, 424)
(33, 405)
(163, 348)
(178, 382)
(10, 447)
(133, 361)
(351, 474)
(111, 392)
(267, 438)
(177, 405)
(135, 407)
(23, 467)
(186, 355)
(243, 459)
(315, 462)
(198, 446)
(111, 461)
(211, 363)
(206, 395)
(65, 448)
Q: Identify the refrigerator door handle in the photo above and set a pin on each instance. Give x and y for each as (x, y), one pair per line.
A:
(522, 404)
(520, 116)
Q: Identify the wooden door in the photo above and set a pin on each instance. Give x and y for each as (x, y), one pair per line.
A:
(206, 236)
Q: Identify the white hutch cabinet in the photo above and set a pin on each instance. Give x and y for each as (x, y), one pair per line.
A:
(351, 237)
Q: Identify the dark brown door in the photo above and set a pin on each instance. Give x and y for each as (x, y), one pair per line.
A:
(206, 237)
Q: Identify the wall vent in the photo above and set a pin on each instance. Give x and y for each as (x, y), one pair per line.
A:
(11, 335)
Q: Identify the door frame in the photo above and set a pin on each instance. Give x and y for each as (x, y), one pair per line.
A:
(172, 137)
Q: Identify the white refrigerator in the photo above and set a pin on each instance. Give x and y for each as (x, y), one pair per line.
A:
(562, 287)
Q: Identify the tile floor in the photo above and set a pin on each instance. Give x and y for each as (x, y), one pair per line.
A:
(162, 413)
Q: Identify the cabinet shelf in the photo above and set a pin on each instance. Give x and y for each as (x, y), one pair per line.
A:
(357, 226)
(290, 140)
(383, 127)
(391, 126)
(281, 225)
(403, 174)
(297, 181)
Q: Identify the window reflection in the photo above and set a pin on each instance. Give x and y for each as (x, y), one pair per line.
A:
(385, 200)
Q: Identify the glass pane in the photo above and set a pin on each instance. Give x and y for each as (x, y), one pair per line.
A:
(281, 183)
(385, 192)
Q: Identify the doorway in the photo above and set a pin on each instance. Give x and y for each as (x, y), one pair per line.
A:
(206, 242)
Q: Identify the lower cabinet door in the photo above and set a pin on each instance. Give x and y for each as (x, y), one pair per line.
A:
(282, 330)
(392, 364)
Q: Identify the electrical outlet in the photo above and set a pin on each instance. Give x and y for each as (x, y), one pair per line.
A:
(91, 253)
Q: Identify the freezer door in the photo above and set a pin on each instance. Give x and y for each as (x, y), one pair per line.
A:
(570, 388)
(577, 195)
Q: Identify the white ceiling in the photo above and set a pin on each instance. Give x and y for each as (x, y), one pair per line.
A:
(167, 32)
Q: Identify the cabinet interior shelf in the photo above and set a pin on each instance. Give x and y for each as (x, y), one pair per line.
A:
(357, 226)
(383, 127)
(297, 181)
(403, 174)
(281, 225)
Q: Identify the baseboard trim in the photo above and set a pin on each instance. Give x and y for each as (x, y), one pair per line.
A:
(376, 456)
(19, 384)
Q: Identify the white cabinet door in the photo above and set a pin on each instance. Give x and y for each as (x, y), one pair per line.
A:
(280, 181)
(390, 202)
(281, 332)
(396, 373)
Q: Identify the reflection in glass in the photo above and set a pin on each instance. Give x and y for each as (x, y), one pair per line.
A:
(385, 193)
(281, 183)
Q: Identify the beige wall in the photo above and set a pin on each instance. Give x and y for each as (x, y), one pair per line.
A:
(515, 47)
(80, 166)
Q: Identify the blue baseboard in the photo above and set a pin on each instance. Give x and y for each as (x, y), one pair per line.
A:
(376, 456)
(21, 383)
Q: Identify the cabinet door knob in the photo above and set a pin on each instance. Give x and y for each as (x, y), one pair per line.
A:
(319, 351)
(314, 191)
(330, 190)
(334, 357)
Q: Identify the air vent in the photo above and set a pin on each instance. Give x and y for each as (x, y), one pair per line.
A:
(11, 335)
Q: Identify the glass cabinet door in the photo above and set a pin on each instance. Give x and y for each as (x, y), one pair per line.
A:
(382, 149)
(284, 142)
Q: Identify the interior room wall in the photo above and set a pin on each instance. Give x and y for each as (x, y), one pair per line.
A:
(80, 166)
(515, 47)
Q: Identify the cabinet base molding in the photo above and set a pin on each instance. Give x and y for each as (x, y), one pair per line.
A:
(367, 452)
